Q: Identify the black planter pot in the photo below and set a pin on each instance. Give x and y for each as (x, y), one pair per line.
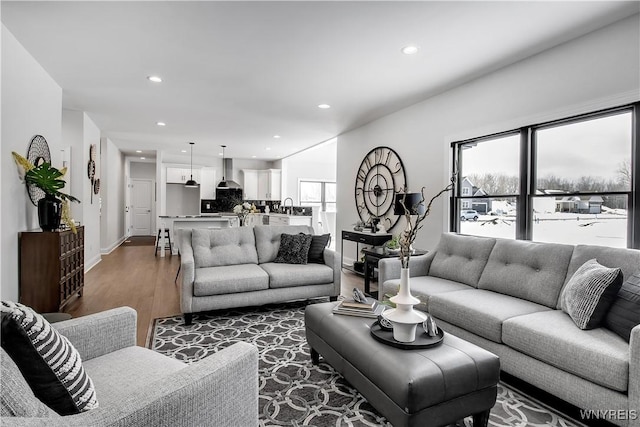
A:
(49, 213)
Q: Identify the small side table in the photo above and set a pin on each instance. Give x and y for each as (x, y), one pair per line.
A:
(371, 258)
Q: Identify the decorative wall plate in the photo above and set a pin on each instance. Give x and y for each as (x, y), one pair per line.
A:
(37, 154)
(91, 170)
(96, 186)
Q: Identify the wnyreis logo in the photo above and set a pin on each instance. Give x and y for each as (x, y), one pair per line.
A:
(609, 414)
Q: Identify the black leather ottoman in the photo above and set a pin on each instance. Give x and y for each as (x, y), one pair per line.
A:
(429, 387)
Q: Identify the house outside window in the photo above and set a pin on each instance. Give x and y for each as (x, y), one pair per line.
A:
(568, 181)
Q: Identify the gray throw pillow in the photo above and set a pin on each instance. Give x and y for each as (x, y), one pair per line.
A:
(589, 293)
(294, 248)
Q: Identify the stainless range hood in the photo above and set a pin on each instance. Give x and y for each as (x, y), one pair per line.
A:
(227, 182)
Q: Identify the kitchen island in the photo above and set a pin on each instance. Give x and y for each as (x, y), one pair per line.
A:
(174, 223)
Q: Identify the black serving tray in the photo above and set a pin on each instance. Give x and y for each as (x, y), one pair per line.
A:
(422, 339)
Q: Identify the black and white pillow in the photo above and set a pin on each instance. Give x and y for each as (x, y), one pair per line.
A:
(624, 313)
(316, 250)
(49, 363)
(589, 293)
(294, 248)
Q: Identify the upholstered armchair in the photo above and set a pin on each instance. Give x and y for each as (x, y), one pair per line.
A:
(139, 387)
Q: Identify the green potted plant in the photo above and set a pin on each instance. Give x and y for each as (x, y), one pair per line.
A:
(393, 246)
(54, 206)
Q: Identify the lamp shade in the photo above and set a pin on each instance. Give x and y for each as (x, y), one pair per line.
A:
(412, 201)
(191, 183)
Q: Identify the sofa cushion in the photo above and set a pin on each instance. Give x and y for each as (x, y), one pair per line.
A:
(294, 248)
(289, 275)
(528, 270)
(316, 250)
(268, 239)
(48, 361)
(20, 401)
(423, 287)
(597, 355)
(461, 258)
(223, 246)
(479, 311)
(627, 260)
(590, 292)
(229, 279)
(624, 313)
(121, 372)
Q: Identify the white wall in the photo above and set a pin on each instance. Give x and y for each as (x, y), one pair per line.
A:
(596, 71)
(315, 164)
(143, 170)
(31, 105)
(80, 132)
(112, 201)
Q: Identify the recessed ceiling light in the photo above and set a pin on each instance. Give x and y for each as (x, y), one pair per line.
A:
(161, 123)
(268, 148)
(220, 154)
(276, 136)
(142, 158)
(138, 151)
(410, 50)
(183, 151)
(154, 79)
(324, 106)
(253, 157)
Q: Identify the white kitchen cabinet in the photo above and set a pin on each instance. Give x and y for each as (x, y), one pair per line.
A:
(275, 219)
(181, 175)
(262, 184)
(207, 183)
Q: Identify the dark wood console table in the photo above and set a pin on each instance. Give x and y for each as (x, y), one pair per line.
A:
(51, 268)
(361, 237)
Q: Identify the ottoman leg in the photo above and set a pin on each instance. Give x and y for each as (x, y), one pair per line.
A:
(315, 357)
(481, 419)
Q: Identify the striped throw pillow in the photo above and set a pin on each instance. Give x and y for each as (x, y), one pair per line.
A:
(49, 363)
(589, 293)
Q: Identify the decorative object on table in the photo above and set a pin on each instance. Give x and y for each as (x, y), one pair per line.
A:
(380, 176)
(54, 206)
(385, 325)
(359, 226)
(359, 296)
(191, 183)
(393, 246)
(244, 209)
(430, 327)
(404, 317)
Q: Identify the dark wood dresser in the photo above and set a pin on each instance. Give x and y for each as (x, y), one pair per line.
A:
(51, 268)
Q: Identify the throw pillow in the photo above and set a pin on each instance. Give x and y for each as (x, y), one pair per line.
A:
(49, 363)
(294, 248)
(624, 313)
(316, 250)
(589, 293)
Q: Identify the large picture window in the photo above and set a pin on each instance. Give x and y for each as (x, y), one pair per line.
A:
(571, 181)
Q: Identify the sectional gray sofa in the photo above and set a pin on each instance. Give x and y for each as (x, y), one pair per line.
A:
(233, 267)
(503, 295)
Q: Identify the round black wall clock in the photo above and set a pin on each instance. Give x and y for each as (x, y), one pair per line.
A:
(380, 176)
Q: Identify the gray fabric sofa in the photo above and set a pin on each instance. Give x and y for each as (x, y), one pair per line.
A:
(503, 295)
(233, 267)
(136, 386)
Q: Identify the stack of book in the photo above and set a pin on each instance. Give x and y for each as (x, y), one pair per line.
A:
(370, 308)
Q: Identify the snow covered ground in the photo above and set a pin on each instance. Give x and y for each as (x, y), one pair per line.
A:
(606, 229)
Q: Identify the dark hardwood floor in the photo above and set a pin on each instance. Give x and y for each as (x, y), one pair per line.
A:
(133, 276)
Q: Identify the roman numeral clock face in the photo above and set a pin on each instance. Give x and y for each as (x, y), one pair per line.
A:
(380, 175)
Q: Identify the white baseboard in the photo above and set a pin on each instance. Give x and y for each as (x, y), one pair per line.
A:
(92, 263)
(111, 248)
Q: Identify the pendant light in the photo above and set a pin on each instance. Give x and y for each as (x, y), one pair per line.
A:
(191, 183)
(223, 183)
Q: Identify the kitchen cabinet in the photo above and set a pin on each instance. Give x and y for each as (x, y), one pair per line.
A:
(181, 175)
(275, 219)
(207, 183)
(262, 184)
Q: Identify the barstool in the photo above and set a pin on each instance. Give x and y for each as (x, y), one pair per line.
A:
(167, 235)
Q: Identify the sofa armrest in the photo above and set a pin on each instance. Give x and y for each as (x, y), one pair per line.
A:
(389, 268)
(101, 333)
(219, 390)
(332, 259)
(634, 376)
(187, 266)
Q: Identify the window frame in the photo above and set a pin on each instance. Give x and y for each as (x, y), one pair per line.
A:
(323, 196)
(528, 170)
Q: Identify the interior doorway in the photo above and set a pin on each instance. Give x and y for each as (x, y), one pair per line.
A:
(141, 207)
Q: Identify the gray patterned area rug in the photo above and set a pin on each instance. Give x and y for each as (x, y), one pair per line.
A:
(294, 392)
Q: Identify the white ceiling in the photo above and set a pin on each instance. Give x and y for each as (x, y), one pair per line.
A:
(238, 73)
